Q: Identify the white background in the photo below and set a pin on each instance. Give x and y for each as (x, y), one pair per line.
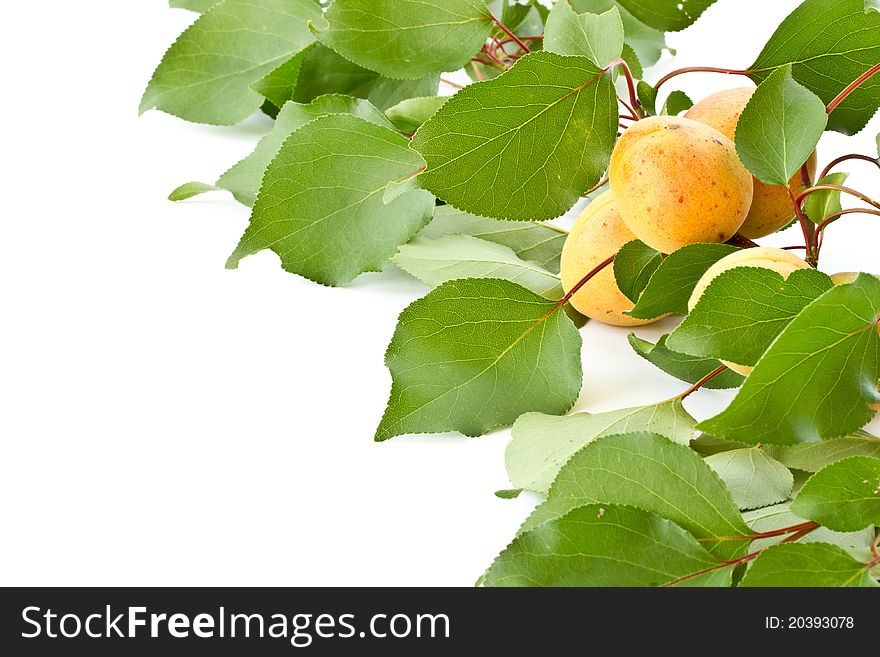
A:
(165, 421)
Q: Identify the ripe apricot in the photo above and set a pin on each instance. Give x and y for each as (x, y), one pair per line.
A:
(771, 208)
(766, 257)
(677, 182)
(598, 233)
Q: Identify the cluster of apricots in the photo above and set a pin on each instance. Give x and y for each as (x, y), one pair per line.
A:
(677, 181)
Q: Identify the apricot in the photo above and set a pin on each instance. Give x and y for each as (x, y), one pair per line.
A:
(677, 182)
(598, 233)
(771, 208)
(766, 257)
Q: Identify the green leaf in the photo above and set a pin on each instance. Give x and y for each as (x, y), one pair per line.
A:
(829, 44)
(754, 479)
(206, 75)
(406, 39)
(542, 444)
(508, 494)
(647, 42)
(779, 516)
(409, 115)
(806, 565)
(682, 366)
(676, 103)
(321, 206)
(632, 60)
(199, 6)
(845, 496)
(436, 261)
(647, 97)
(604, 545)
(634, 265)
(244, 179)
(525, 145)
(279, 85)
(598, 37)
(473, 355)
(779, 128)
(822, 204)
(671, 285)
(538, 243)
(190, 189)
(812, 457)
(818, 378)
(649, 472)
(667, 15)
(743, 310)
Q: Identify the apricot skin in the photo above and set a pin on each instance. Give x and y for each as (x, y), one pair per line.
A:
(598, 233)
(778, 260)
(677, 182)
(772, 208)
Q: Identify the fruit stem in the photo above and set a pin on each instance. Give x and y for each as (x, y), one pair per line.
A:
(845, 158)
(742, 242)
(510, 34)
(697, 69)
(852, 86)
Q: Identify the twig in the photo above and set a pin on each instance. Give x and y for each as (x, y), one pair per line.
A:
(852, 86)
(845, 158)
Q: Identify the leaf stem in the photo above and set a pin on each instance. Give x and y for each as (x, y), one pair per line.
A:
(630, 85)
(831, 218)
(699, 384)
(808, 228)
(586, 279)
(697, 69)
(454, 85)
(852, 86)
(810, 524)
(845, 158)
(597, 186)
(510, 34)
(838, 188)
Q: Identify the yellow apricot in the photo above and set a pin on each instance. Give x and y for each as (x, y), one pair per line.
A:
(598, 233)
(766, 257)
(771, 208)
(677, 182)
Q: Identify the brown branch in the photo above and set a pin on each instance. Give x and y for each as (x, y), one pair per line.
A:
(852, 86)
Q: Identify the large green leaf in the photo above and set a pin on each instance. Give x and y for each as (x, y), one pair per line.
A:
(672, 284)
(812, 457)
(200, 6)
(244, 179)
(473, 355)
(406, 38)
(743, 310)
(604, 545)
(321, 207)
(819, 377)
(807, 565)
(754, 479)
(829, 44)
(779, 128)
(206, 75)
(650, 472)
(538, 243)
(525, 145)
(634, 265)
(647, 42)
(845, 496)
(542, 444)
(667, 15)
(436, 261)
(682, 366)
(598, 37)
(409, 115)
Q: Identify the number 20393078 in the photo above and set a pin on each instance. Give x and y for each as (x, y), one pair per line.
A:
(809, 623)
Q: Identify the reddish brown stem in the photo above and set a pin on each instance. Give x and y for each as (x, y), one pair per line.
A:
(846, 158)
(697, 69)
(699, 384)
(771, 534)
(837, 215)
(808, 228)
(742, 242)
(596, 186)
(510, 34)
(586, 279)
(838, 188)
(852, 86)
(630, 84)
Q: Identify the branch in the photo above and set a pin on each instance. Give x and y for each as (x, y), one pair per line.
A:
(855, 84)
(697, 69)
(845, 158)
(509, 33)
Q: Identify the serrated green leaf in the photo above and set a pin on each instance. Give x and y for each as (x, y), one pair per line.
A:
(409, 115)
(321, 205)
(190, 189)
(406, 39)
(682, 366)
(598, 37)
(818, 378)
(779, 128)
(779, 516)
(671, 285)
(829, 43)
(525, 145)
(634, 265)
(207, 74)
(538, 243)
(743, 310)
(845, 496)
(279, 85)
(676, 103)
(667, 15)
(604, 545)
(649, 472)
(753, 478)
(436, 261)
(647, 42)
(647, 97)
(244, 179)
(632, 60)
(822, 204)
(473, 355)
(806, 565)
(199, 6)
(542, 444)
(812, 457)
